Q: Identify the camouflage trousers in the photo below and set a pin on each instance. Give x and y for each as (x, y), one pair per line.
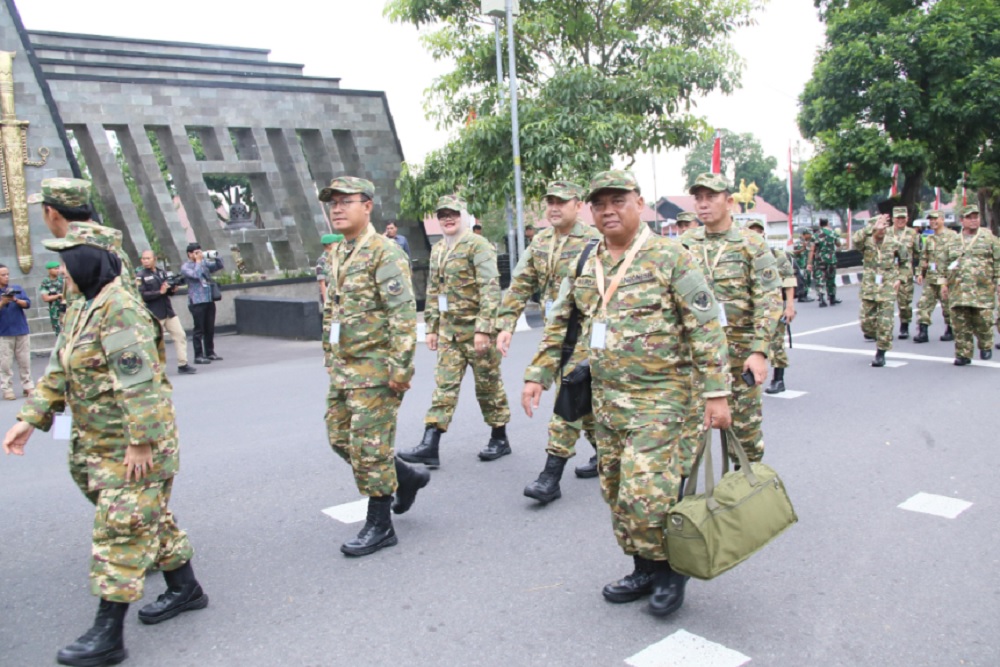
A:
(807, 282)
(876, 322)
(640, 473)
(453, 358)
(904, 298)
(563, 435)
(746, 410)
(777, 353)
(968, 322)
(361, 427)
(929, 298)
(824, 278)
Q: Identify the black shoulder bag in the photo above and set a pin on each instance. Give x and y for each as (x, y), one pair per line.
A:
(574, 400)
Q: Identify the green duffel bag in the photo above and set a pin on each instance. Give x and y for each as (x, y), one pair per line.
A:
(709, 533)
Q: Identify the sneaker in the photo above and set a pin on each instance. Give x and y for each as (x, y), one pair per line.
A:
(186, 370)
(201, 360)
(214, 357)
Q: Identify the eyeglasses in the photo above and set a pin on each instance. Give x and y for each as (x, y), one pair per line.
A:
(448, 215)
(334, 204)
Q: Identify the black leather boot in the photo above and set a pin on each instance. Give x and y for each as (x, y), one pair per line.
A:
(834, 301)
(921, 336)
(494, 449)
(183, 594)
(986, 354)
(948, 336)
(377, 532)
(632, 586)
(822, 301)
(879, 359)
(904, 330)
(545, 489)
(588, 469)
(409, 481)
(103, 644)
(427, 451)
(668, 590)
(777, 382)
(962, 361)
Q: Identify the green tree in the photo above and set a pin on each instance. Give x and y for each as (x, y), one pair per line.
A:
(743, 157)
(597, 79)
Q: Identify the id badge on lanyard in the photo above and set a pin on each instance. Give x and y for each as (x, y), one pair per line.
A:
(598, 335)
(62, 426)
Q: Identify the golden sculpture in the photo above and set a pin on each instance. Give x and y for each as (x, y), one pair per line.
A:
(13, 159)
(746, 195)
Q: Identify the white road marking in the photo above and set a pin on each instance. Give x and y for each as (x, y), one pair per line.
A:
(892, 353)
(889, 363)
(349, 512)
(928, 503)
(788, 393)
(522, 324)
(683, 649)
(796, 334)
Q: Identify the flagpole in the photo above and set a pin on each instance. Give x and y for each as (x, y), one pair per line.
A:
(791, 192)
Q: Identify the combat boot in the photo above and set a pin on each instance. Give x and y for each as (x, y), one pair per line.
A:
(427, 451)
(377, 532)
(904, 330)
(834, 301)
(822, 301)
(183, 594)
(777, 382)
(103, 644)
(962, 361)
(986, 354)
(545, 489)
(948, 335)
(588, 469)
(497, 446)
(409, 481)
(879, 359)
(921, 336)
(632, 586)
(668, 590)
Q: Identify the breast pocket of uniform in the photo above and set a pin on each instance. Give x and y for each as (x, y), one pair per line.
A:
(90, 375)
(640, 314)
(730, 277)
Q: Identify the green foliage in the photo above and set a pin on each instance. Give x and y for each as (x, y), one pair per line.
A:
(597, 79)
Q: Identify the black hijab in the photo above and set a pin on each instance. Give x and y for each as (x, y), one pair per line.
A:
(90, 268)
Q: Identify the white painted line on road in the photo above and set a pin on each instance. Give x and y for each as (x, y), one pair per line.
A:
(789, 393)
(349, 512)
(797, 334)
(522, 324)
(893, 353)
(889, 363)
(683, 649)
(928, 503)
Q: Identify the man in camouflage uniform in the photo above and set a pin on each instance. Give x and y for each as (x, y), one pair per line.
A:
(369, 325)
(109, 369)
(972, 275)
(931, 275)
(51, 291)
(463, 295)
(777, 353)
(543, 266)
(686, 220)
(743, 275)
(823, 263)
(801, 251)
(908, 238)
(885, 261)
(649, 322)
(323, 265)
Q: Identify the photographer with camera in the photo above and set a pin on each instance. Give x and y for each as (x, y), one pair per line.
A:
(198, 272)
(13, 336)
(156, 287)
(51, 292)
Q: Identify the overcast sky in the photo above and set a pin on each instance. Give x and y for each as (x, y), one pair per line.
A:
(350, 39)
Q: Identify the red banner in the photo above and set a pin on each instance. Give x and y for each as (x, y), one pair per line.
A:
(717, 154)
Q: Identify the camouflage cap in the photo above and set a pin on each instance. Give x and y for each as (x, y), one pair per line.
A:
(969, 210)
(900, 212)
(347, 185)
(714, 182)
(933, 215)
(756, 223)
(565, 190)
(69, 192)
(87, 233)
(686, 216)
(615, 179)
(451, 203)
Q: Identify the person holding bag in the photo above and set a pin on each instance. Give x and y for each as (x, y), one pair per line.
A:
(203, 292)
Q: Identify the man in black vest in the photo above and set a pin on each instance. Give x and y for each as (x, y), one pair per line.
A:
(156, 287)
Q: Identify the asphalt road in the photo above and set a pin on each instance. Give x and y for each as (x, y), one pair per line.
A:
(484, 576)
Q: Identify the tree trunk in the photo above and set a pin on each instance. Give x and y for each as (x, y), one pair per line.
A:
(989, 215)
(910, 193)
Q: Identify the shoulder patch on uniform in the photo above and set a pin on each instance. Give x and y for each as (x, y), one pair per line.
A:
(394, 287)
(129, 363)
(702, 300)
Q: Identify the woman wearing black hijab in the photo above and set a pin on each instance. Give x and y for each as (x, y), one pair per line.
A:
(108, 369)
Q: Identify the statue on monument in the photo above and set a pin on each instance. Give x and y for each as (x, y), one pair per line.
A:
(239, 215)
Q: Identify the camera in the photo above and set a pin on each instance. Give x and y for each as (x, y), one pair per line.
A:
(212, 254)
(173, 280)
(9, 292)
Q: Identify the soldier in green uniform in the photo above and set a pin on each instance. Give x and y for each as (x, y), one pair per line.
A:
(908, 238)
(973, 273)
(323, 265)
(463, 295)
(369, 325)
(649, 321)
(686, 220)
(931, 275)
(51, 291)
(552, 257)
(885, 261)
(822, 263)
(109, 369)
(743, 275)
(777, 354)
(801, 251)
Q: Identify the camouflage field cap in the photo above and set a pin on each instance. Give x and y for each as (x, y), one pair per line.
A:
(756, 223)
(970, 209)
(933, 215)
(451, 203)
(686, 216)
(87, 233)
(565, 190)
(714, 182)
(69, 192)
(615, 179)
(347, 185)
(900, 212)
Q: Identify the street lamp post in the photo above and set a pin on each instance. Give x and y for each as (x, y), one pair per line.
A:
(512, 255)
(514, 130)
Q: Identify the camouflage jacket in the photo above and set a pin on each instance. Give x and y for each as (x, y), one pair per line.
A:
(108, 368)
(323, 266)
(825, 247)
(910, 239)
(973, 270)
(800, 251)
(745, 280)
(52, 286)
(934, 259)
(883, 264)
(662, 327)
(785, 271)
(470, 283)
(539, 272)
(376, 313)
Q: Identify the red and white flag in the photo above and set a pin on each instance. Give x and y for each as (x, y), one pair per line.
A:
(717, 153)
(937, 199)
(895, 180)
